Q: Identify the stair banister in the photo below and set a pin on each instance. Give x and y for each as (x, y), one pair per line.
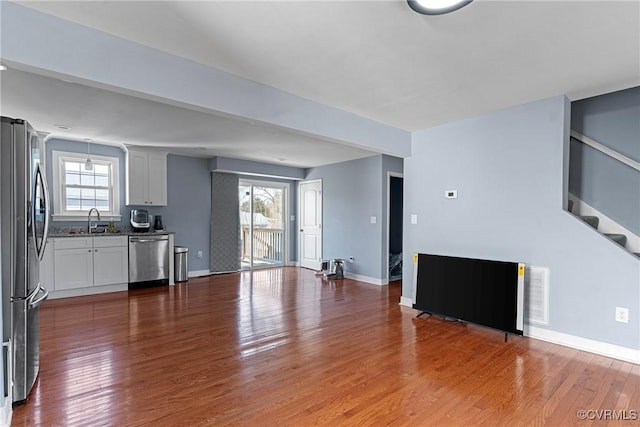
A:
(606, 150)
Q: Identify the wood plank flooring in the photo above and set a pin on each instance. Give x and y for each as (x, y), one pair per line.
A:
(282, 347)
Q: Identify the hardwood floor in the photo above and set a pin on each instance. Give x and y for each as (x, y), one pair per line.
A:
(283, 347)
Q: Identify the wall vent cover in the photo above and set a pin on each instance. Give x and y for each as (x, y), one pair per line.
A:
(537, 295)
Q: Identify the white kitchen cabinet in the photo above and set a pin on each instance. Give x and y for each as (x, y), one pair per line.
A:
(81, 262)
(110, 260)
(72, 263)
(146, 178)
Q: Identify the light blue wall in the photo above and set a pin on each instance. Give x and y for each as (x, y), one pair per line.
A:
(353, 192)
(351, 195)
(602, 182)
(188, 197)
(188, 210)
(259, 169)
(508, 169)
(55, 144)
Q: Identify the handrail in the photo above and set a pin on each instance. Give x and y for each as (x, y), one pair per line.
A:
(606, 150)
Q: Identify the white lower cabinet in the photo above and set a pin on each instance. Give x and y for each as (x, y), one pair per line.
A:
(110, 266)
(81, 262)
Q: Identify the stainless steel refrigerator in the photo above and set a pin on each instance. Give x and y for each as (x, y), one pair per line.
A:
(24, 223)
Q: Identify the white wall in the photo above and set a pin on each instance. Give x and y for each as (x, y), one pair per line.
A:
(509, 170)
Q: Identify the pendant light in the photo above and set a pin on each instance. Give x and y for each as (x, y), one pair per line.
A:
(437, 7)
(88, 165)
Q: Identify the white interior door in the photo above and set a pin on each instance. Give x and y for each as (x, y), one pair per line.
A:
(310, 197)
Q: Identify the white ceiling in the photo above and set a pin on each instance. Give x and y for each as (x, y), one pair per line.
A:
(378, 59)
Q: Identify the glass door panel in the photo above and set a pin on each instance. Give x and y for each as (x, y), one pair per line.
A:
(268, 230)
(262, 234)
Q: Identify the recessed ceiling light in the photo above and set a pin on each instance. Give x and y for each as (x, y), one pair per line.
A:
(63, 127)
(437, 7)
(3, 67)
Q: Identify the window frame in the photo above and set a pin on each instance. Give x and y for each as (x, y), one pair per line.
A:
(58, 172)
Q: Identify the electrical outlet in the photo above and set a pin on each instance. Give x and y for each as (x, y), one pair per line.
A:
(199, 254)
(350, 259)
(622, 314)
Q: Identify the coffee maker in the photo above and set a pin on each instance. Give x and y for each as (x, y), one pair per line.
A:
(157, 223)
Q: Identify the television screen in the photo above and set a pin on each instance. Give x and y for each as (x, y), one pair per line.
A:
(478, 291)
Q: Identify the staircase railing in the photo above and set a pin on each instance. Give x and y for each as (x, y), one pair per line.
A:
(616, 232)
(606, 150)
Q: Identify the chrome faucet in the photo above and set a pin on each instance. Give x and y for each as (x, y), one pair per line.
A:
(89, 227)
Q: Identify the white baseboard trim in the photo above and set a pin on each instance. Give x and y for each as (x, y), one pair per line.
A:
(367, 279)
(292, 264)
(6, 412)
(198, 273)
(598, 347)
(407, 302)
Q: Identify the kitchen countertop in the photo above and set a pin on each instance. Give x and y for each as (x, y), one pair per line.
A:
(61, 233)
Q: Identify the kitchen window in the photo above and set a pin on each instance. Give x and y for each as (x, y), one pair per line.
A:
(77, 188)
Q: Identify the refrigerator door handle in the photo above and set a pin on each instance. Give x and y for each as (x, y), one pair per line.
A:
(37, 301)
(40, 177)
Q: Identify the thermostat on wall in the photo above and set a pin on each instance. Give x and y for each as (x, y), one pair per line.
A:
(451, 194)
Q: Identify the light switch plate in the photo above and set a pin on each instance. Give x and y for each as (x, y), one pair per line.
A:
(373, 220)
(414, 219)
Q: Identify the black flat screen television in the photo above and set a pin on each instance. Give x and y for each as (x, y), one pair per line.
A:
(484, 292)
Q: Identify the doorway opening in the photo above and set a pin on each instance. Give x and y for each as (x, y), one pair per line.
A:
(395, 184)
(263, 237)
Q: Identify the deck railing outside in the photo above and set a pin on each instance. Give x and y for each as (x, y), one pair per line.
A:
(268, 245)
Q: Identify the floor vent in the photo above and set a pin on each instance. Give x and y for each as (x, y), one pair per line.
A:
(537, 295)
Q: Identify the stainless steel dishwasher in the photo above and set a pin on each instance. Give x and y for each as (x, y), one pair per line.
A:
(148, 258)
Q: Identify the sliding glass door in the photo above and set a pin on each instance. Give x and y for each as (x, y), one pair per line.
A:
(262, 220)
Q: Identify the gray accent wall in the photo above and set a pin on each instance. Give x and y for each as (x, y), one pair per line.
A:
(607, 185)
(612, 119)
(508, 168)
(602, 182)
(353, 192)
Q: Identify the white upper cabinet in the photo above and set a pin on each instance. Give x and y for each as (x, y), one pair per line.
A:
(146, 178)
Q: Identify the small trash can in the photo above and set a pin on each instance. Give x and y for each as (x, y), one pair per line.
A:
(180, 263)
